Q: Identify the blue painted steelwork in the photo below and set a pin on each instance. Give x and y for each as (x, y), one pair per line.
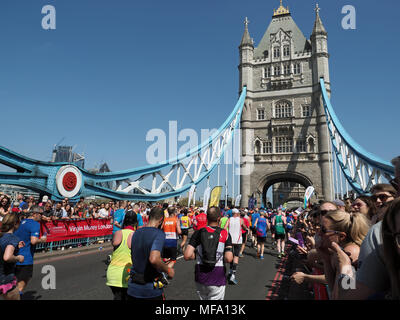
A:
(361, 168)
(43, 177)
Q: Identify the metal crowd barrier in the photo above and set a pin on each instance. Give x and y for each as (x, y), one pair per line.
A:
(71, 243)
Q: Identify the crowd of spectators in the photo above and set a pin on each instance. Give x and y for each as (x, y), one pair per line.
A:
(351, 251)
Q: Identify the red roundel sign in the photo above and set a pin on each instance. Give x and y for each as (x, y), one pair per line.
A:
(69, 181)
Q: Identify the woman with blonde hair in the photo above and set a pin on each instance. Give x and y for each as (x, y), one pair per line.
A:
(348, 230)
(9, 245)
(391, 246)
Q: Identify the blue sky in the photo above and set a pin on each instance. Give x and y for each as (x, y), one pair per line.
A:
(113, 70)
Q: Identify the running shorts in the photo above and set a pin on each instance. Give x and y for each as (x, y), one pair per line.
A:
(24, 272)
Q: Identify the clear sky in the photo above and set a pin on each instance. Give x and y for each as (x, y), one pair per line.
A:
(113, 70)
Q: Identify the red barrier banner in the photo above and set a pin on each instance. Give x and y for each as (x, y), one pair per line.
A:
(58, 230)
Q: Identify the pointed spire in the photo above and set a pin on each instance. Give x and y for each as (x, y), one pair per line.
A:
(318, 26)
(246, 39)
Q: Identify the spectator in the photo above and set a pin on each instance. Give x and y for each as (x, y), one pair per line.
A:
(146, 248)
(364, 205)
(69, 210)
(121, 261)
(5, 206)
(48, 212)
(103, 212)
(59, 212)
(382, 195)
(9, 247)
(44, 201)
(28, 232)
(346, 230)
(210, 277)
(391, 247)
(119, 216)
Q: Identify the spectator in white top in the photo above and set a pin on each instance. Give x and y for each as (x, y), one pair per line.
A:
(103, 212)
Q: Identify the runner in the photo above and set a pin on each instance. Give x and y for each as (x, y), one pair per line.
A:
(235, 230)
(254, 217)
(146, 247)
(121, 261)
(185, 225)
(261, 225)
(172, 229)
(28, 232)
(245, 232)
(200, 221)
(210, 276)
(279, 221)
(9, 247)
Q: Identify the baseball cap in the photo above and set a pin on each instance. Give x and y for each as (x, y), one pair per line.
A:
(235, 210)
(45, 199)
(339, 202)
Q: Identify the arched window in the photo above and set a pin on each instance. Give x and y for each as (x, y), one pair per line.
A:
(258, 147)
(311, 144)
(286, 51)
(283, 109)
(277, 52)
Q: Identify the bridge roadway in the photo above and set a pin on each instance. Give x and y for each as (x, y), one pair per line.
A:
(82, 276)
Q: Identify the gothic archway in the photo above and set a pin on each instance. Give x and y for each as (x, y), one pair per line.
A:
(270, 179)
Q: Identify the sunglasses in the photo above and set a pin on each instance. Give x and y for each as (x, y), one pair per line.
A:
(324, 212)
(382, 197)
(325, 231)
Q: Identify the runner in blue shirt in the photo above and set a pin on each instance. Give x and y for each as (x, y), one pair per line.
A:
(254, 218)
(261, 230)
(28, 232)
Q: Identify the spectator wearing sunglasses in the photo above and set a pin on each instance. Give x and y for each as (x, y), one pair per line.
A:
(364, 205)
(348, 232)
(382, 195)
(391, 246)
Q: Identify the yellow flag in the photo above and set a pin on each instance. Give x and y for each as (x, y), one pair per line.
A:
(215, 197)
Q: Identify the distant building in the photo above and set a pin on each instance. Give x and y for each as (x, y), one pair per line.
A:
(65, 154)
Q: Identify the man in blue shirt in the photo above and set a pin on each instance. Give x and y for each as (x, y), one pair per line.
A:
(254, 218)
(147, 264)
(136, 209)
(119, 216)
(28, 232)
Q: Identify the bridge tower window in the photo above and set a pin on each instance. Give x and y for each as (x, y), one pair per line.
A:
(267, 147)
(283, 145)
(283, 109)
(286, 51)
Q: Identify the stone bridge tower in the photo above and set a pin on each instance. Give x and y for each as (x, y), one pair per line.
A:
(284, 131)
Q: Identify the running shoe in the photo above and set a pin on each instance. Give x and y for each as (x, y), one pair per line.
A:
(283, 254)
(279, 255)
(233, 281)
(262, 257)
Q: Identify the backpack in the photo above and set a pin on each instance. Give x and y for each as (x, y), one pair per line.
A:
(209, 245)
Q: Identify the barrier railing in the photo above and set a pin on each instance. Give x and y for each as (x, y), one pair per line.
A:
(63, 234)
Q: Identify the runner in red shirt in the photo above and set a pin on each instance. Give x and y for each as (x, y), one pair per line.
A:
(246, 221)
(200, 221)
